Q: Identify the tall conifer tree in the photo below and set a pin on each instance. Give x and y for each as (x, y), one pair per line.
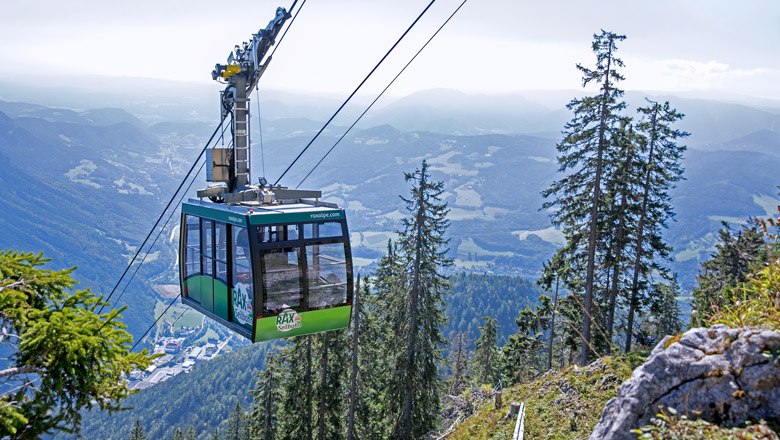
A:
(267, 395)
(586, 148)
(419, 339)
(373, 415)
(138, 431)
(486, 358)
(295, 411)
(662, 165)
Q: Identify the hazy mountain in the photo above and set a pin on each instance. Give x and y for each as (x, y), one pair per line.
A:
(761, 141)
(115, 161)
(455, 112)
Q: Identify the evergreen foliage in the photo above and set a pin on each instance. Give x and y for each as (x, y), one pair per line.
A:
(587, 147)
(295, 409)
(612, 206)
(756, 301)
(372, 419)
(202, 399)
(267, 395)
(138, 432)
(662, 170)
(474, 295)
(663, 317)
(414, 377)
(459, 365)
(64, 356)
(524, 353)
(486, 357)
(737, 254)
(238, 426)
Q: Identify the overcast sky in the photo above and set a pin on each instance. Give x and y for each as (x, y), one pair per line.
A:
(490, 46)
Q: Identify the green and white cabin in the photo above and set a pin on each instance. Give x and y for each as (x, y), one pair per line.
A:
(267, 272)
(266, 261)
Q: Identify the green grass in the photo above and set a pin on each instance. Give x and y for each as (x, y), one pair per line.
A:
(564, 404)
(670, 426)
(210, 333)
(190, 318)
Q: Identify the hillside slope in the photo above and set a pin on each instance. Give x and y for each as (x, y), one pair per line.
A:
(564, 404)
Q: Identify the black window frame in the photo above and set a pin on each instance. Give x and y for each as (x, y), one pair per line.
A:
(300, 243)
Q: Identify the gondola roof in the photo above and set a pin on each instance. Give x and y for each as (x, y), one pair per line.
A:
(259, 214)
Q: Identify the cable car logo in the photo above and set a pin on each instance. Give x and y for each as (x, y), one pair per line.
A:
(242, 303)
(288, 320)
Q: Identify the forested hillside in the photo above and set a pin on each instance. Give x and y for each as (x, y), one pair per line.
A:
(202, 399)
(475, 295)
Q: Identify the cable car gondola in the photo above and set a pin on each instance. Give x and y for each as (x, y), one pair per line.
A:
(266, 261)
(267, 272)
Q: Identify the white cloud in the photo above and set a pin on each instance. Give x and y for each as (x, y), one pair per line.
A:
(686, 74)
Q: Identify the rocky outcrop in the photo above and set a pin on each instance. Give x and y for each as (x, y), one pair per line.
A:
(723, 375)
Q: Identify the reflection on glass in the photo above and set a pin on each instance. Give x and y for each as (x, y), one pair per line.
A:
(269, 234)
(221, 251)
(322, 230)
(282, 278)
(192, 247)
(327, 275)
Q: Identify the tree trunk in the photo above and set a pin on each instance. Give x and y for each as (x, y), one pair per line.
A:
(618, 255)
(354, 374)
(307, 409)
(269, 411)
(321, 433)
(406, 427)
(640, 233)
(552, 326)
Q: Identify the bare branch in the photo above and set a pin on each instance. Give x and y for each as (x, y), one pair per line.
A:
(17, 370)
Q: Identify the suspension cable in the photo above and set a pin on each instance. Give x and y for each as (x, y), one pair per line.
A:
(167, 206)
(151, 246)
(276, 46)
(381, 93)
(355, 91)
(155, 322)
(173, 196)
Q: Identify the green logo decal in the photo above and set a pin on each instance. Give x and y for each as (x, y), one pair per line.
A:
(242, 303)
(288, 320)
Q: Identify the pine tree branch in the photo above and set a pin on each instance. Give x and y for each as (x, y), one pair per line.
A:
(17, 370)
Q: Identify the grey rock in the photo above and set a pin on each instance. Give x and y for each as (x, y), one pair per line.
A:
(723, 375)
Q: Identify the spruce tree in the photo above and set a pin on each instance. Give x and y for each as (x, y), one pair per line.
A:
(662, 170)
(237, 428)
(737, 254)
(138, 431)
(267, 395)
(621, 202)
(373, 415)
(459, 365)
(485, 368)
(331, 351)
(588, 145)
(419, 340)
(552, 272)
(48, 381)
(295, 411)
(522, 353)
(663, 315)
(354, 361)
